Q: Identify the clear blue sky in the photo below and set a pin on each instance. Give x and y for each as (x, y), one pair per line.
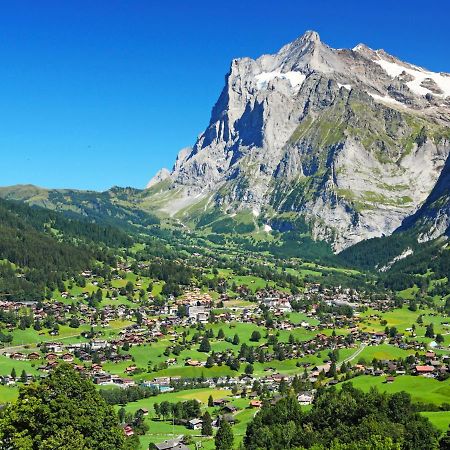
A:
(101, 93)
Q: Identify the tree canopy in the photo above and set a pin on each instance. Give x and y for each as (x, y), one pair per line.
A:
(64, 411)
(345, 419)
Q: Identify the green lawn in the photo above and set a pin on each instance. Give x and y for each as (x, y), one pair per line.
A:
(7, 364)
(8, 393)
(403, 318)
(427, 390)
(383, 352)
(297, 318)
(440, 419)
(252, 282)
(243, 330)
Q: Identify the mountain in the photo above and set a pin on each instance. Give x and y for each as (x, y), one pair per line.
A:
(118, 207)
(433, 218)
(349, 142)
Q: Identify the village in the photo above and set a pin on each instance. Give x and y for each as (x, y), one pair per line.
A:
(249, 346)
(323, 311)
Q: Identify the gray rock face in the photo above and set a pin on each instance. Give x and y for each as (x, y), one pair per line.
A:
(353, 141)
(161, 175)
(433, 218)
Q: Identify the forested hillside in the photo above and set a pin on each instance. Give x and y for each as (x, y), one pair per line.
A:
(40, 248)
(401, 262)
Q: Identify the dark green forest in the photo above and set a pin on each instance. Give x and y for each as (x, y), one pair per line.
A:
(345, 419)
(39, 248)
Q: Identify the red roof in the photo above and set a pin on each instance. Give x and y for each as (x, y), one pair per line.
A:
(128, 431)
(256, 403)
(424, 369)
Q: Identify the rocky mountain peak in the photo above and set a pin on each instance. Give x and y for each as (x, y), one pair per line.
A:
(161, 175)
(306, 43)
(351, 141)
(310, 36)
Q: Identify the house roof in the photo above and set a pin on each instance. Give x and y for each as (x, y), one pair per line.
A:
(424, 369)
(195, 421)
(172, 444)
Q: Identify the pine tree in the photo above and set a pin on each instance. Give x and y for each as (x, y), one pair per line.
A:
(224, 438)
(256, 336)
(205, 346)
(207, 429)
(210, 401)
(429, 333)
(249, 369)
(209, 362)
(122, 413)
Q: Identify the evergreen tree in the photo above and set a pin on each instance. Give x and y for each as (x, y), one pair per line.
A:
(444, 443)
(209, 362)
(122, 413)
(207, 429)
(249, 369)
(429, 333)
(205, 346)
(74, 322)
(157, 410)
(224, 438)
(256, 336)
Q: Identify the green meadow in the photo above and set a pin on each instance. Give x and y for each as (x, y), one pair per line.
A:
(427, 390)
(440, 419)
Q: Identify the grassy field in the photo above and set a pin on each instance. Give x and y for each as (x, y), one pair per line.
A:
(383, 352)
(427, 390)
(440, 419)
(252, 282)
(243, 330)
(297, 318)
(8, 393)
(7, 364)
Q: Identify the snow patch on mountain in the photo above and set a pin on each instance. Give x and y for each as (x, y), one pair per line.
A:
(386, 99)
(420, 77)
(296, 79)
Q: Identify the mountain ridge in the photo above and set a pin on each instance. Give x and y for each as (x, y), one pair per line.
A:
(352, 140)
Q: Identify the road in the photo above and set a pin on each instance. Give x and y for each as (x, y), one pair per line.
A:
(354, 355)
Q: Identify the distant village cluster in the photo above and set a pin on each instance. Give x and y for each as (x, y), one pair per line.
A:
(195, 307)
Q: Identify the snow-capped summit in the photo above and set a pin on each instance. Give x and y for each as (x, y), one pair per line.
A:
(350, 140)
